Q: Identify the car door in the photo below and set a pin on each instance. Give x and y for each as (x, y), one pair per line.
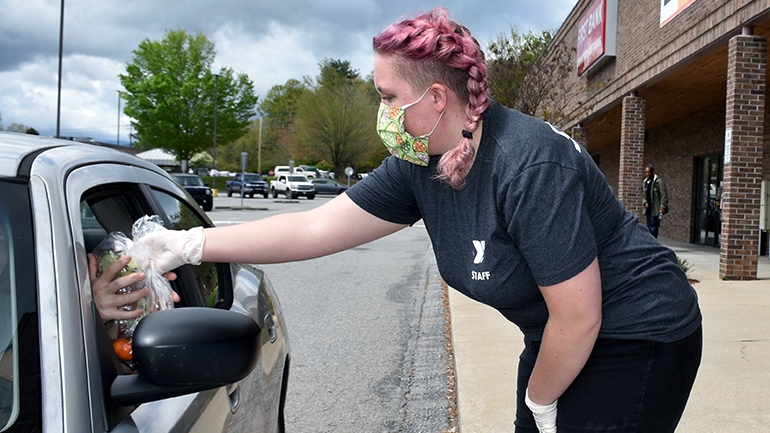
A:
(258, 398)
(103, 198)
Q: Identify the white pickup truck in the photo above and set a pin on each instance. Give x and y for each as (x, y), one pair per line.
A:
(292, 186)
(287, 170)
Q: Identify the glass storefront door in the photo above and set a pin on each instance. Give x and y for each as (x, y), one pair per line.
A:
(708, 221)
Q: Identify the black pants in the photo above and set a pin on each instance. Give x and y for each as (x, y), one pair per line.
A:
(653, 223)
(626, 386)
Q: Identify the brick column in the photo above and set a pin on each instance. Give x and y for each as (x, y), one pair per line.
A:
(580, 134)
(632, 153)
(744, 124)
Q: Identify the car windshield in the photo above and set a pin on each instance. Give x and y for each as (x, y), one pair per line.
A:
(252, 177)
(297, 179)
(189, 180)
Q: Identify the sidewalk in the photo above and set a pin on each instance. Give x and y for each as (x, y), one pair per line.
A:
(731, 393)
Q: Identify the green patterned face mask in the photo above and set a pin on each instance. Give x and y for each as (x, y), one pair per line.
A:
(390, 127)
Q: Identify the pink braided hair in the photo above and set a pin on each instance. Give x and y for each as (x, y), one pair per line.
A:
(431, 48)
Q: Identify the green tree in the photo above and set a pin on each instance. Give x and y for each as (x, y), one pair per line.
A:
(511, 58)
(334, 71)
(334, 122)
(20, 127)
(201, 159)
(550, 91)
(278, 110)
(532, 73)
(229, 157)
(170, 92)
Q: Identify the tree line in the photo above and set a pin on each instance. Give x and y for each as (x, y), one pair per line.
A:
(176, 102)
(18, 127)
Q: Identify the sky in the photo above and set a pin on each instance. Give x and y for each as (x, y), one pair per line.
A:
(271, 41)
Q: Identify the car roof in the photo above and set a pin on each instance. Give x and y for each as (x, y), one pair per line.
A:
(18, 151)
(15, 146)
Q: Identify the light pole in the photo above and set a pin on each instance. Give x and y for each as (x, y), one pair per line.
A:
(216, 98)
(118, 117)
(61, 45)
(259, 151)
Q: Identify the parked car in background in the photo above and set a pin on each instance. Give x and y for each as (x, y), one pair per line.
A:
(199, 191)
(219, 358)
(287, 170)
(328, 186)
(292, 187)
(252, 184)
(311, 171)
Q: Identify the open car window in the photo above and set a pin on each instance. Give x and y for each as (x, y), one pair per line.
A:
(181, 216)
(109, 209)
(102, 212)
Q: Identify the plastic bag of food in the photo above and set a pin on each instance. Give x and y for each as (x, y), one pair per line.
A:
(116, 245)
(160, 297)
(109, 250)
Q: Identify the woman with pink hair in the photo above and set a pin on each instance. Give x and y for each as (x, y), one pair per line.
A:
(521, 219)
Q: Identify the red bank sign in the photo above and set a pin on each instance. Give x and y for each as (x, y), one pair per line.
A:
(597, 33)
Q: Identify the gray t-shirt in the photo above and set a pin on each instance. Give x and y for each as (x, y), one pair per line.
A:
(536, 211)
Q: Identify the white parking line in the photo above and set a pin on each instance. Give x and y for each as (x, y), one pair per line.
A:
(227, 223)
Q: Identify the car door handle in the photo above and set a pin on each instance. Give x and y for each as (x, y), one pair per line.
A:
(234, 396)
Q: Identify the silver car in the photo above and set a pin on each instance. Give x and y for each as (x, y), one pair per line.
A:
(218, 361)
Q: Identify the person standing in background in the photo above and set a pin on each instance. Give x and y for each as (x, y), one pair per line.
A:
(654, 199)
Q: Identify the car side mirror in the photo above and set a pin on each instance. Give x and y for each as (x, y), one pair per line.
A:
(185, 350)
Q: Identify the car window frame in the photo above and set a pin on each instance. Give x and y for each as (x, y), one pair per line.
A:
(186, 273)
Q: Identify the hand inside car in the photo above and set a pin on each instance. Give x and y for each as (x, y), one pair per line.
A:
(104, 289)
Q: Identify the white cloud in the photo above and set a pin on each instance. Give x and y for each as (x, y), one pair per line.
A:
(271, 41)
(265, 59)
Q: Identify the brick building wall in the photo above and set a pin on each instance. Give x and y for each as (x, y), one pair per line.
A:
(609, 164)
(745, 118)
(645, 49)
(766, 141)
(680, 72)
(631, 152)
(674, 149)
